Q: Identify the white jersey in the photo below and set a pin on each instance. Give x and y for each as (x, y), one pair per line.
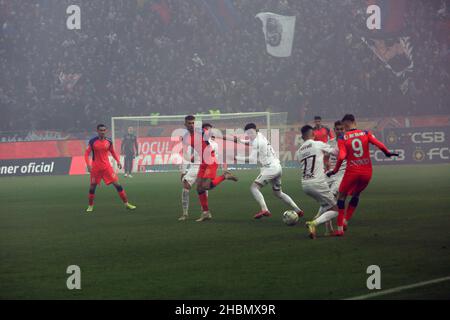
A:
(333, 158)
(261, 152)
(214, 147)
(310, 155)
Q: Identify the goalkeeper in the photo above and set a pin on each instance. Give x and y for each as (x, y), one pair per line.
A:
(129, 148)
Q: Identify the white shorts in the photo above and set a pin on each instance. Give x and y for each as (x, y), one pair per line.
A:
(321, 192)
(270, 174)
(334, 182)
(191, 175)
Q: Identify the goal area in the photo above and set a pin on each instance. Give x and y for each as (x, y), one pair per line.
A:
(159, 137)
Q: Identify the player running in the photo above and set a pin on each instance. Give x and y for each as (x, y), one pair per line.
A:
(189, 172)
(263, 153)
(314, 181)
(100, 167)
(207, 179)
(354, 149)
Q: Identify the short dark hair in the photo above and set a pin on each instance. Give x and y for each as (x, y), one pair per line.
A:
(189, 118)
(101, 125)
(338, 123)
(249, 126)
(206, 125)
(317, 118)
(348, 117)
(306, 129)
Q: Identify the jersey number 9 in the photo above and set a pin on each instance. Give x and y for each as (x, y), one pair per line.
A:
(357, 147)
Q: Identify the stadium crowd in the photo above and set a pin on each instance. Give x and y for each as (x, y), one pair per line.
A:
(138, 57)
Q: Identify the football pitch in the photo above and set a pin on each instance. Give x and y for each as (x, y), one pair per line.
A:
(402, 225)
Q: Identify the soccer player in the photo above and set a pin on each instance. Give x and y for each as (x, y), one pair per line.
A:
(335, 180)
(130, 149)
(321, 133)
(314, 181)
(271, 172)
(101, 169)
(207, 178)
(354, 149)
(189, 172)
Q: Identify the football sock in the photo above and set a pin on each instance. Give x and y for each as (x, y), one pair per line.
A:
(258, 197)
(122, 194)
(217, 180)
(340, 219)
(91, 199)
(286, 199)
(326, 216)
(91, 195)
(351, 208)
(185, 200)
(329, 226)
(203, 197)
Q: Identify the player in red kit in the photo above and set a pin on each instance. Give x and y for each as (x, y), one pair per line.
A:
(321, 133)
(207, 179)
(354, 149)
(101, 169)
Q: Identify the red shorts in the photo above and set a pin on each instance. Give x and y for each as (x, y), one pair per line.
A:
(207, 171)
(354, 182)
(107, 175)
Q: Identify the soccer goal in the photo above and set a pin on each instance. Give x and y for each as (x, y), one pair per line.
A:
(159, 137)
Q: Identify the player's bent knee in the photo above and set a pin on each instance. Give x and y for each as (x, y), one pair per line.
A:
(256, 185)
(341, 196)
(186, 185)
(200, 188)
(206, 185)
(354, 201)
(277, 193)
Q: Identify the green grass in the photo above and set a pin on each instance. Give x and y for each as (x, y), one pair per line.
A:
(402, 225)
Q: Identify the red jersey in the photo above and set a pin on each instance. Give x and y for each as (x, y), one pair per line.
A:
(322, 134)
(354, 148)
(199, 141)
(100, 148)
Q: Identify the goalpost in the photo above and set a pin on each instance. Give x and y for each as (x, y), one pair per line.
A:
(156, 145)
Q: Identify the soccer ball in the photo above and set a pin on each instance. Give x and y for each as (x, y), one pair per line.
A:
(290, 217)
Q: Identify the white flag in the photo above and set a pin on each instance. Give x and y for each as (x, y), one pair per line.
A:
(278, 32)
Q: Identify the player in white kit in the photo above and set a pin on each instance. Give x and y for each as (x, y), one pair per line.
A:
(189, 172)
(314, 180)
(335, 180)
(262, 152)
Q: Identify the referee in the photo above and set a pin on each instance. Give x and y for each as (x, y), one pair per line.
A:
(130, 149)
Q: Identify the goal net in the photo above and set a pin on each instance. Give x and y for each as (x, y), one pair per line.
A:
(159, 137)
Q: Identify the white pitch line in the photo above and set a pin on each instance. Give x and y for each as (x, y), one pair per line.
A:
(398, 289)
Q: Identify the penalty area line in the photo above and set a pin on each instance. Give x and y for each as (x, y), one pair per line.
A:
(399, 289)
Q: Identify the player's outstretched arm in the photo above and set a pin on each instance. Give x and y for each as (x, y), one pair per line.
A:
(380, 145)
(235, 140)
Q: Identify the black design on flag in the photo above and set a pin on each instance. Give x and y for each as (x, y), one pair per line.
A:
(278, 32)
